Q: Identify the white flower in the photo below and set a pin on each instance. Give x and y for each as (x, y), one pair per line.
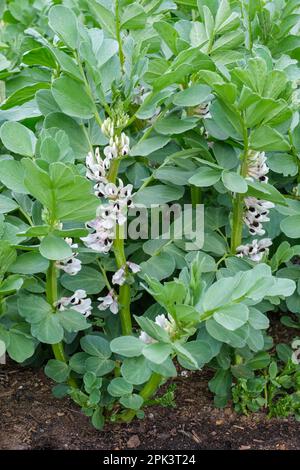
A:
(95, 166)
(119, 277)
(70, 265)
(166, 324)
(257, 167)
(135, 268)
(98, 241)
(257, 213)
(255, 227)
(78, 301)
(254, 250)
(109, 301)
(146, 338)
(258, 204)
(111, 151)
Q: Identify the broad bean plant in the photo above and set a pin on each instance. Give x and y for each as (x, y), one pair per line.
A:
(110, 109)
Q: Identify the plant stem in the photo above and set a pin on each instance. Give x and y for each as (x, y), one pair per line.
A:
(238, 203)
(147, 391)
(119, 252)
(51, 293)
(124, 291)
(103, 271)
(118, 35)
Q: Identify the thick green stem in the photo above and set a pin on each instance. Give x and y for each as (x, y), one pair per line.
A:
(51, 293)
(238, 202)
(119, 252)
(124, 291)
(147, 392)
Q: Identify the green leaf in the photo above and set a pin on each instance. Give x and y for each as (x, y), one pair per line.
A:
(236, 338)
(221, 383)
(194, 95)
(12, 176)
(136, 370)
(77, 362)
(133, 17)
(73, 321)
(21, 345)
(168, 34)
(33, 308)
(88, 278)
(64, 23)
(98, 419)
(49, 330)
(77, 138)
(173, 125)
(104, 16)
(283, 163)
(234, 182)
(29, 263)
(158, 266)
(18, 138)
(158, 194)
(66, 194)
(11, 284)
(7, 204)
(291, 226)
(8, 255)
(166, 368)
(133, 402)
(258, 320)
(148, 146)
(268, 139)
(184, 353)
(201, 352)
(55, 248)
(152, 329)
(206, 176)
(96, 346)
(127, 346)
(265, 191)
(99, 365)
(259, 361)
(57, 370)
(232, 316)
(72, 98)
(119, 387)
(157, 352)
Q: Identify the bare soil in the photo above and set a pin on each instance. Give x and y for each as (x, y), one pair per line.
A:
(31, 418)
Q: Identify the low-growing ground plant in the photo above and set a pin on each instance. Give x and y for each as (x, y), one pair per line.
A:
(150, 207)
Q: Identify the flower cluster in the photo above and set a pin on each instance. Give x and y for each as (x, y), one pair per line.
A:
(257, 166)
(70, 265)
(255, 250)
(120, 276)
(257, 210)
(78, 301)
(165, 323)
(109, 301)
(257, 213)
(118, 197)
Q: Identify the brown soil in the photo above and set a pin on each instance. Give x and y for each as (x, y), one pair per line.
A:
(31, 418)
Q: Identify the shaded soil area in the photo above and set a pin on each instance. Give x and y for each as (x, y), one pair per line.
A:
(31, 418)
